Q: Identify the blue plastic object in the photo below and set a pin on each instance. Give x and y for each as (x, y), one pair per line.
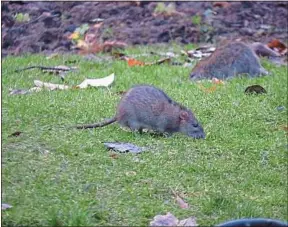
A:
(254, 222)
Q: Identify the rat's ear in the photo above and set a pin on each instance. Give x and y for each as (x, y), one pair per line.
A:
(184, 115)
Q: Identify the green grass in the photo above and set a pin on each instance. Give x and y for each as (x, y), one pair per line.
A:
(52, 175)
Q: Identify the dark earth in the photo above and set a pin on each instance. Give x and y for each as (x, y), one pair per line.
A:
(137, 22)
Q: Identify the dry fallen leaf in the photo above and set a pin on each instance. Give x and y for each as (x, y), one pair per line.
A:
(278, 46)
(263, 50)
(170, 220)
(200, 52)
(74, 35)
(206, 49)
(50, 86)
(5, 206)
(35, 89)
(101, 82)
(82, 44)
(221, 4)
(91, 46)
(18, 92)
(164, 220)
(133, 62)
(124, 147)
(188, 222)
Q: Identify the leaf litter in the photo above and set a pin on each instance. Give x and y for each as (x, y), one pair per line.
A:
(39, 85)
(170, 220)
(124, 147)
(274, 49)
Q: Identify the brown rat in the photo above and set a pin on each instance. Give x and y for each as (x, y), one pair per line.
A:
(148, 107)
(227, 61)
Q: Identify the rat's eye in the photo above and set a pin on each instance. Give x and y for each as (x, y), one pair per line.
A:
(195, 125)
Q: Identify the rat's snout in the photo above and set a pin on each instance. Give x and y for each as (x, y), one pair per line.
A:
(194, 76)
(196, 132)
(198, 135)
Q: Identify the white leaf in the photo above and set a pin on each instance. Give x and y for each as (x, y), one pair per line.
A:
(164, 220)
(188, 222)
(5, 206)
(102, 82)
(35, 89)
(50, 86)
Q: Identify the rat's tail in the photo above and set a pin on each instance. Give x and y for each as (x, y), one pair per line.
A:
(100, 124)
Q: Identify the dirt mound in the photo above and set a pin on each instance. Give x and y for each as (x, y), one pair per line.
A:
(50, 23)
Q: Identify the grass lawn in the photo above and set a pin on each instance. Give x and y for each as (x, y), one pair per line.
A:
(53, 175)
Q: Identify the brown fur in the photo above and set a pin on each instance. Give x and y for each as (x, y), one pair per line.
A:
(228, 60)
(147, 107)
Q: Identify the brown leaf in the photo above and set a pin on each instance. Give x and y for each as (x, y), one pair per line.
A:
(132, 62)
(264, 50)
(278, 46)
(91, 46)
(17, 133)
(222, 4)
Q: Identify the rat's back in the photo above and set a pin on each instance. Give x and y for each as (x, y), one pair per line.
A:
(227, 61)
(145, 106)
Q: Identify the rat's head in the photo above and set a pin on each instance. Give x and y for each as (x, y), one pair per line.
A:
(190, 126)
